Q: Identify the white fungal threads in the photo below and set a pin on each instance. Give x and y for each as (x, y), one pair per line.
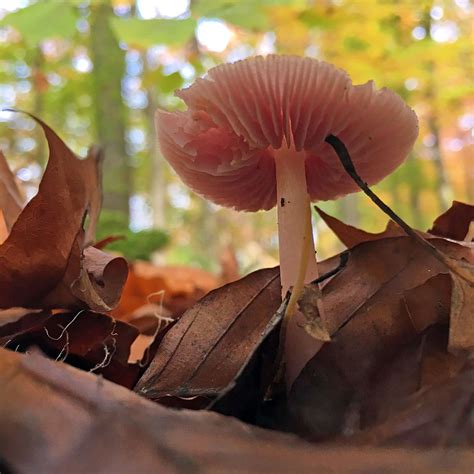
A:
(108, 352)
(65, 328)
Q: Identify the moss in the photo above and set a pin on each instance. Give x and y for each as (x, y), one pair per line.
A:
(135, 245)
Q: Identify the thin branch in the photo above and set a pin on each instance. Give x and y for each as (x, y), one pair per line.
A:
(348, 165)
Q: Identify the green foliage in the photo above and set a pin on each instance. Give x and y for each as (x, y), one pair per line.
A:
(167, 84)
(373, 42)
(245, 13)
(353, 43)
(311, 19)
(145, 33)
(45, 19)
(136, 245)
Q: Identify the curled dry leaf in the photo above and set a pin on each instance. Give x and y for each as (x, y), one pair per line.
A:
(105, 423)
(43, 255)
(454, 223)
(207, 348)
(88, 340)
(308, 306)
(102, 279)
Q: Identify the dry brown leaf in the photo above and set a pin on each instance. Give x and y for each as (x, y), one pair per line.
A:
(85, 339)
(454, 223)
(3, 228)
(421, 397)
(42, 256)
(100, 424)
(307, 305)
(11, 200)
(368, 318)
(351, 236)
(176, 288)
(429, 302)
(11, 315)
(207, 348)
(435, 416)
(461, 330)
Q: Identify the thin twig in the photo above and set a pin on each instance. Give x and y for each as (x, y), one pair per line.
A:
(343, 259)
(348, 165)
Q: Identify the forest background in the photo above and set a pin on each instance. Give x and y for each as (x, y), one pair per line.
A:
(97, 70)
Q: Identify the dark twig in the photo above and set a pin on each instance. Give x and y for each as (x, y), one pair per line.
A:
(344, 258)
(348, 165)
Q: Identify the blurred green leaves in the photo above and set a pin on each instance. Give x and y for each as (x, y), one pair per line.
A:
(134, 245)
(246, 13)
(42, 20)
(143, 34)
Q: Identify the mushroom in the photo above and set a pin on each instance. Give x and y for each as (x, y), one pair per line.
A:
(253, 136)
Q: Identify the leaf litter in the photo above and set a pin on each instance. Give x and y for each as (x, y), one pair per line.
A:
(393, 369)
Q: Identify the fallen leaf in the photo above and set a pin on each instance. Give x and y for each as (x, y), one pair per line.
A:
(13, 314)
(101, 281)
(461, 330)
(42, 257)
(11, 199)
(85, 339)
(435, 416)
(351, 236)
(368, 319)
(101, 244)
(105, 423)
(3, 228)
(176, 288)
(206, 349)
(454, 223)
(308, 307)
(429, 302)
(420, 398)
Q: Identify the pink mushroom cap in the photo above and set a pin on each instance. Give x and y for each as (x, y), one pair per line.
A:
(223, 145)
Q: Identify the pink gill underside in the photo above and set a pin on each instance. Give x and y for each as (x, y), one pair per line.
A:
(222, 146)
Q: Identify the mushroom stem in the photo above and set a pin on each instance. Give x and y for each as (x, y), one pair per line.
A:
(297, 256)
(294, 219)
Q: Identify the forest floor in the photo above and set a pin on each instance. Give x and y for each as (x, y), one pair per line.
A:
(114, 366)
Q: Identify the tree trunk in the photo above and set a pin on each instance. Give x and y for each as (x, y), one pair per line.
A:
(442, 185)
(109, 67)
(158, 182)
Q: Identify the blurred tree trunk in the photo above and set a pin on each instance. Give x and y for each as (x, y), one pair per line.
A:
(40, 87)
(442, 185)
(109, 66)
(158, 181)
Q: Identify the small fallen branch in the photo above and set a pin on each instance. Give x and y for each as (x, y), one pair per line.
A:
(349, 167)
